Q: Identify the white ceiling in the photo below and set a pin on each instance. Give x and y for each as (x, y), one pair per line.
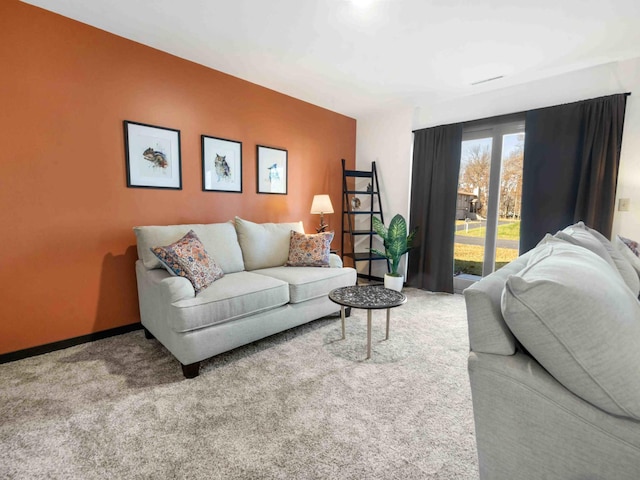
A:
(358, 56)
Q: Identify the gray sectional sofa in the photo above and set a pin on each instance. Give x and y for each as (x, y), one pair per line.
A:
(555, 362)
(257, 296)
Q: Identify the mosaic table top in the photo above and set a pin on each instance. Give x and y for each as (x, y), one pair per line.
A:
(367, 296)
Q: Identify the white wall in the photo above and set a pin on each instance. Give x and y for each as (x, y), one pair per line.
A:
(628, 223)
(386, 136)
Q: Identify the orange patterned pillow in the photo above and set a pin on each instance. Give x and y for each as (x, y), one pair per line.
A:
(309, 250)
(188, 258)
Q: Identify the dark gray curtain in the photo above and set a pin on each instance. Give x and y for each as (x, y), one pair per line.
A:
(434, 186)
(570, 171)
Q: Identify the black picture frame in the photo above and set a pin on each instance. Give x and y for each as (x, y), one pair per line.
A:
(152, 156)
(224, 175)
(272, 173)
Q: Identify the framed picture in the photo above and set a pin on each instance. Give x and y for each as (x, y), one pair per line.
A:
(272, 170)
(153, 156)
(221, 165)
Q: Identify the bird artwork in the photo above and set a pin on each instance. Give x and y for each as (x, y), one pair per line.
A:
(274, 176)
(355, 203)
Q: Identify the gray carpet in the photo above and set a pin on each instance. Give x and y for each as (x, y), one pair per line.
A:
(298, 405)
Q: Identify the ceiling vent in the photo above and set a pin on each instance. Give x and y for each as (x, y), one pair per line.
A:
(487, 80)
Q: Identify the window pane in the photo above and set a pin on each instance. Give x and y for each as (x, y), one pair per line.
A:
(508, 238)
(473, 198)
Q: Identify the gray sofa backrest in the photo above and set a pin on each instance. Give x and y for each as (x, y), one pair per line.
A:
(265, 245)
(219, 239)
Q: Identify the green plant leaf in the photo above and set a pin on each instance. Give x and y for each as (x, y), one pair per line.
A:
(397, 237)
(379, 228)
(396, 241)
(411, 238)
(378, 252)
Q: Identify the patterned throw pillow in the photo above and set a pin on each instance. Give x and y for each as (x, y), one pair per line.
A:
(633, 246)
(630, 250)
(188, 258)
(309, 250)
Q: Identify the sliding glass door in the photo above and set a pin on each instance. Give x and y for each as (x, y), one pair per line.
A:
(489, 200)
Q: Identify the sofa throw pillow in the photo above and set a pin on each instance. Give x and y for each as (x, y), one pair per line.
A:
(629, 250)
(309, 250)
(579, 320)
(265, 245)
(188, 258)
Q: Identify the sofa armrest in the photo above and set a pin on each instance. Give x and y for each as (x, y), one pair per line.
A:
(168, 288)
(335, 261)
(176, 288)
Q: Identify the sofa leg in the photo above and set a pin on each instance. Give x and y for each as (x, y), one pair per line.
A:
(192, 370)
(147, 334)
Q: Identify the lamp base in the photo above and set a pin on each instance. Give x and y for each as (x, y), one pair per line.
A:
(323, 226)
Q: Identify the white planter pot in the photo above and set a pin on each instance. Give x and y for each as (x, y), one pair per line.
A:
(394, 283)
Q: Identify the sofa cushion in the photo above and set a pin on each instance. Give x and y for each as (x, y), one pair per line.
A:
(188, 258)
(309, 250)
(582, 235)
(234, 296)
(630, 250)
(306, 283)
(624, 266)
(219, 239)
(577, 317)
(582, 238)
(265, 245)
(488, 332)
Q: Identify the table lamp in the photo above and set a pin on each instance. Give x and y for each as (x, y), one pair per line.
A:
(321, 204)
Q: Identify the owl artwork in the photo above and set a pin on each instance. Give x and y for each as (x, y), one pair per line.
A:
(223, 172)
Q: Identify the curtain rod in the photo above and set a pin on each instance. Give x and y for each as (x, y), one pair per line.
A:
(626, 94)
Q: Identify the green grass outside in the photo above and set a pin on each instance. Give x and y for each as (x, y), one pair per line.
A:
(508, 231)
(473, 268)
(469, 258)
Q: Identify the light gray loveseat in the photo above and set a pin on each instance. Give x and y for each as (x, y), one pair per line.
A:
(555, 362)
(257, 296)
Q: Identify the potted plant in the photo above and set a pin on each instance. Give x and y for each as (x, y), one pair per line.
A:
(396, 244)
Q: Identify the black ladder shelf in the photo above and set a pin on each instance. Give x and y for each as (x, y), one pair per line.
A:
(351, 210)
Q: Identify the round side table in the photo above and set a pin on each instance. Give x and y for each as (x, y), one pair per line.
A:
(368, 297)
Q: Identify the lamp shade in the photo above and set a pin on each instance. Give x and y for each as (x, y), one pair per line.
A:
(321, 204)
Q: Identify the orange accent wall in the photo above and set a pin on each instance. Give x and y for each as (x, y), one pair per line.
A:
(67, 246)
